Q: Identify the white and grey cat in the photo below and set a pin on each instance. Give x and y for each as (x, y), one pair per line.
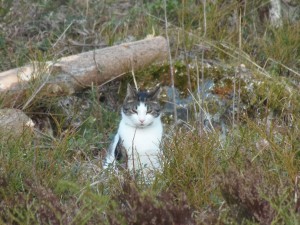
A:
(140, 131)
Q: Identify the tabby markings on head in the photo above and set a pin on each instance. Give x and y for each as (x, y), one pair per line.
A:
(134, 99)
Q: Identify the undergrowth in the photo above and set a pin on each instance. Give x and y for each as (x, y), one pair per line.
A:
(242, 170)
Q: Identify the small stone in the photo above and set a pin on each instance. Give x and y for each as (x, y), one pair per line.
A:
(14, 124)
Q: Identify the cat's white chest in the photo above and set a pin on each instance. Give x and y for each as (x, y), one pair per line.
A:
(142, 144)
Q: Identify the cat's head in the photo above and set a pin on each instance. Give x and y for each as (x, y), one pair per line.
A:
(141, 108)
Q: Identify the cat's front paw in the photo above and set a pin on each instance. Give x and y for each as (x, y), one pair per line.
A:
(107, 164)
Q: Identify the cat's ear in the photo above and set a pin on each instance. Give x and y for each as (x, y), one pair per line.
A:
(154, 94)
(131, 93)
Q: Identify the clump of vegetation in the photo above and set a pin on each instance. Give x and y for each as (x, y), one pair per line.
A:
(136, 207)
(35, 204)
(245, 192)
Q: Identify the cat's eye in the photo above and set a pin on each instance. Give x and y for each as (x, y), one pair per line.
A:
(134, 111)
(149, 110)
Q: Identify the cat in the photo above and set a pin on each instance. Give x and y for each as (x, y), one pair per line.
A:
(140, 132)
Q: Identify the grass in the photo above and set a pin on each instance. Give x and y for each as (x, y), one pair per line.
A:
(248, 176)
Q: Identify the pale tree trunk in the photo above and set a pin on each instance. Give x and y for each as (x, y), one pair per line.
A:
(76, 72)
(275, 13)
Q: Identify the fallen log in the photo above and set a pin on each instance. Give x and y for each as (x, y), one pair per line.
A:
(76, 72)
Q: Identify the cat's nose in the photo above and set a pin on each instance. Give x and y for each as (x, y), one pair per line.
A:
(142, 120)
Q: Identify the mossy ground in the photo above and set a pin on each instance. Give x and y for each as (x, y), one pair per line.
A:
(250, 176)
